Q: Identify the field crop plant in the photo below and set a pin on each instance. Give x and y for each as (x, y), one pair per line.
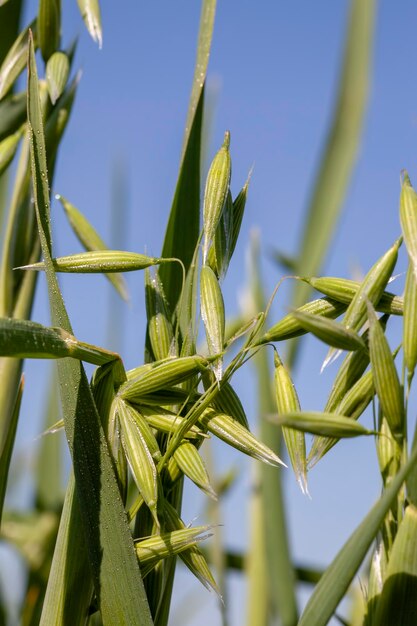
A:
(108, 553)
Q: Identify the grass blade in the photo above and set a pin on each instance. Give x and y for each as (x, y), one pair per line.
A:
(49, 487)
(341, 149)
(12, 113)
(109, 543)
(49, 26)
(25, 339)
(8, 149)
(184, 221)
(7, 445)
(70, 585)
(338, 576)
(15, 61)
(10, 17)
(396, 604)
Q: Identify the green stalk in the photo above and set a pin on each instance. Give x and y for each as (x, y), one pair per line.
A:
(280, 590)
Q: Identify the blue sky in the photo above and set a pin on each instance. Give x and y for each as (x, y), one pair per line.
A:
(271, 82)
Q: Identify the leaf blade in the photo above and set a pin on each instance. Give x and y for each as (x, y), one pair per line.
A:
(107, 533)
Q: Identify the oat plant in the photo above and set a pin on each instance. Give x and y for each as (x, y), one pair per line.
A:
(107, 553)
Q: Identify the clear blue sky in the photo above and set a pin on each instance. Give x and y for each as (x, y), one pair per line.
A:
(272, 79)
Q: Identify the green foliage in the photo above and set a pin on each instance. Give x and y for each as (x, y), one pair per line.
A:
(106, 552)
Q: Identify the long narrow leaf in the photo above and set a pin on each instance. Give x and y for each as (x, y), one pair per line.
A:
(15, 61)
(184, 221)
(10, 17)
(6, 446)
(12, 113)
(338, 576)
(25, 339)
(70, 584)
(342, 145)
(109, 543)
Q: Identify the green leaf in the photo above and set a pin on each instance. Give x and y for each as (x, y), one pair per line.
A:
(396, 604)
(121, 598)
(49, 485)
(57, 122)
(341, 148)
(12, 113)
(49, 26)
(8, 149)
(25, 339)
(15, 61)
(340, 573)
(10, 17)
(70, 585)
(6, 446)
(184, 221)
